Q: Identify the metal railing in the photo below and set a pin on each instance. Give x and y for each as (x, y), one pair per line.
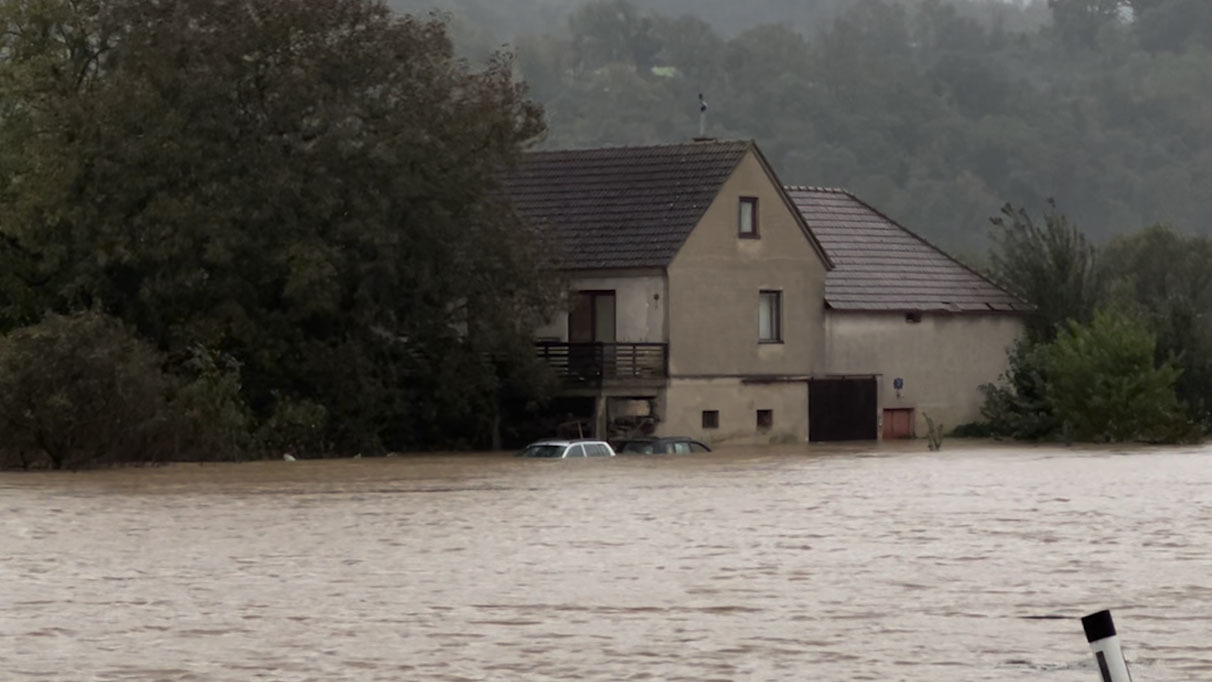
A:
(594, 364)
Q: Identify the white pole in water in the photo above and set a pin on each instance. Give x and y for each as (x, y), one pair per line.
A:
(1100, 633)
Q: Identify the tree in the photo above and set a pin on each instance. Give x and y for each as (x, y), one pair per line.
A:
(308, 187)
(1162, 276)
(1080, 21)
(608, 32)
(1051, 266)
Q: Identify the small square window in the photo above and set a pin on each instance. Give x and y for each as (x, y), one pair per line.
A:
(913, 318)
(770, 313)
(711, 419)
(765, 419)
(747, 221)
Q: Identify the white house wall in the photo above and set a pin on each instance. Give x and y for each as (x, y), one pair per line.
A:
(943, 360)
(640, 301)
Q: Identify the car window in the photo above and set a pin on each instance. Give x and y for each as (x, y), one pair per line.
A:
(641, 447)
(596, 450)
(681, 448)
(698, 447)
(576, 450)
(551, 451)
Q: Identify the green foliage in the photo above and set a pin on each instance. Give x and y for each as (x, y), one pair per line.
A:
(83, 391)
(1017, 405)
(1162, 276)
(1104, 384)
(1098, 382)
(1050, 266)
(973, 430)
(307, 188)
(295, 427)
(212, 419)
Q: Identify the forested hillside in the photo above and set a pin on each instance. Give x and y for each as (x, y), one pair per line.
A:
(938, 112)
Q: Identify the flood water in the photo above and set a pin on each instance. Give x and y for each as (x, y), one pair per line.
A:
(798, 564)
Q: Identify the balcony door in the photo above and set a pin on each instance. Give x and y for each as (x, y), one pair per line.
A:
(591, 319)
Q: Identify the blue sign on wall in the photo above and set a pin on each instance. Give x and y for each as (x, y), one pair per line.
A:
(898, 383)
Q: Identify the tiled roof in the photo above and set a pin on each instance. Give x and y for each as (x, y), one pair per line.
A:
(622, 207)
(880, 265)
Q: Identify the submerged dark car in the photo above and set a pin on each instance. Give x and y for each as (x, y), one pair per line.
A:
(672, 445)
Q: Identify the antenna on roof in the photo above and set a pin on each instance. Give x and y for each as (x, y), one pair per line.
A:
(702, 120)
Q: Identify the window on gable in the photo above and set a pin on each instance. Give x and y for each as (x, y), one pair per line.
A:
(770, 313)
(747, 221)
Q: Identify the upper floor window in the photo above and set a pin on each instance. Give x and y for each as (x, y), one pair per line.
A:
(770, 314)
(747, 220)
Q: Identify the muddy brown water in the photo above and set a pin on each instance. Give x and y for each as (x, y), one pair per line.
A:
(795, 564)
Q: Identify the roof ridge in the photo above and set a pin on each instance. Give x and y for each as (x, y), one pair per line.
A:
(819, 188)
(663, 145)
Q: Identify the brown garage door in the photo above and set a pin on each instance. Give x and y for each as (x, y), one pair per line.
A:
(842, 409)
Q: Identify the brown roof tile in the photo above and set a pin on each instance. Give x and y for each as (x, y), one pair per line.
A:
(622, 207)
(880, 265)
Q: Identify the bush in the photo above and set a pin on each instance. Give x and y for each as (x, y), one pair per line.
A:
(1095, 383)
(296, 426)
(82, 390)
(973, 430)
(1017, 406)
(212, 419)
(1104, 386)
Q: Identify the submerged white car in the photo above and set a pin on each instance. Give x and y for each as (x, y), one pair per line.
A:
(567, 449)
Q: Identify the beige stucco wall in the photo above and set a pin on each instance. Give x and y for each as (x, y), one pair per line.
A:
(640, 298)
(715, 280)
(685, 400)
(943, 359)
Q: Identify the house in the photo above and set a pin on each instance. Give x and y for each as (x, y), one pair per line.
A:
(707, 299)
(921, 327)
(696, 288)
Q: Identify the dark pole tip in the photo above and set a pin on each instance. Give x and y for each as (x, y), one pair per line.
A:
(1098, 626)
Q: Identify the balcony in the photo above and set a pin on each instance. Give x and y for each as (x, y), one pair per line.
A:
(606, 364)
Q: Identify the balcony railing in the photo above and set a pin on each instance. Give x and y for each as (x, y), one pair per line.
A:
(595, 364)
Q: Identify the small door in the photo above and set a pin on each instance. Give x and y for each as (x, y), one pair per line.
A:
(898, 423)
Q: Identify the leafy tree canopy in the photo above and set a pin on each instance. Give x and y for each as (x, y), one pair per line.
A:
(306, 186)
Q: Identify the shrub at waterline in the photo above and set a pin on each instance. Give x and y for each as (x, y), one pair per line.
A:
(1103, 384)
(1097, 382)
(82, 390)
(1017, 406)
